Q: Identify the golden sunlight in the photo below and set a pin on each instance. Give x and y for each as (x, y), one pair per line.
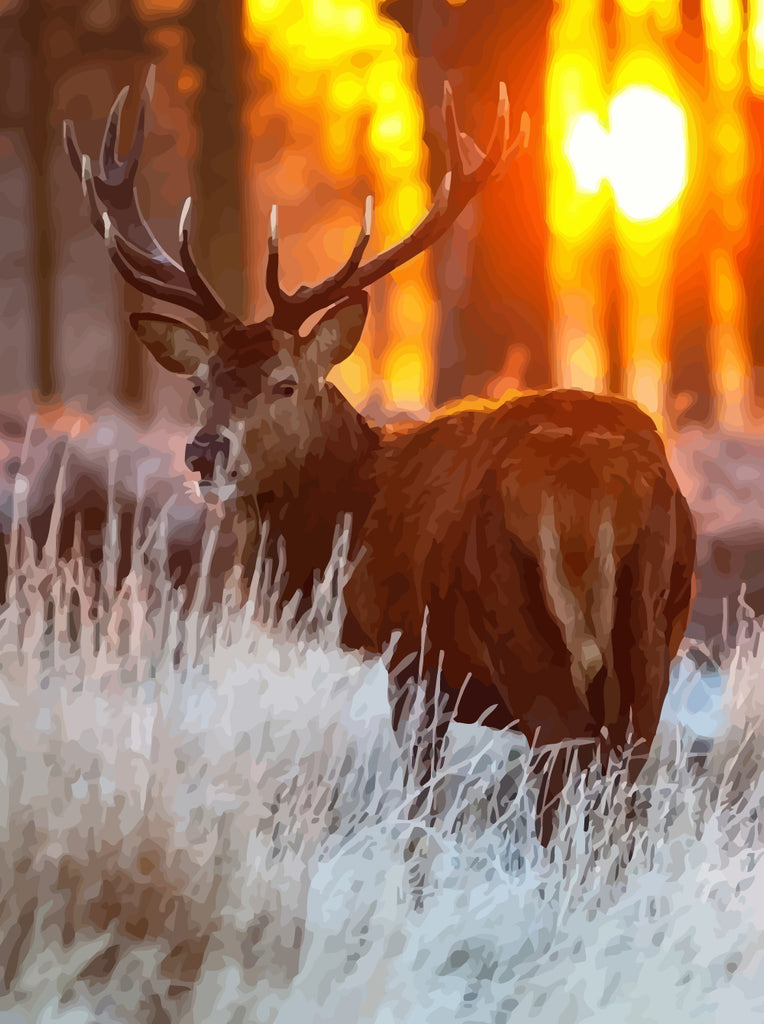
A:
(578, 219)
(728, 167)
(628, 130)
(647, 245)
(344, 81)
(756, 46)
(643, 156)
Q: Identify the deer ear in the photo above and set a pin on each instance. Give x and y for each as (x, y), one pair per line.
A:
(175, 346)
(338, 332)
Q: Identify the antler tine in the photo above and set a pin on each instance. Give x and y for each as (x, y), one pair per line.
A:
(88, 191)
(116, 214)
(354, 259)
(288, 310)
(72, 147)
(193, 292)
(453, 134)
(117, 246)
(213, 307)
(469, 170)
(272, 286)
(145, 263)
(109, 162)
(144, 108)
(497, 146)
(133, 154)
(349, 267)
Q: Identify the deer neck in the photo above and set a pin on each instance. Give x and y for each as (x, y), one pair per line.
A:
(334, 479)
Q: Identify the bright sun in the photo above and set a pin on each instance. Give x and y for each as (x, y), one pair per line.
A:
(644, 156)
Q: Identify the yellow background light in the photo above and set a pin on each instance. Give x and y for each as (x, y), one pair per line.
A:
(344, 81)
(643, 155)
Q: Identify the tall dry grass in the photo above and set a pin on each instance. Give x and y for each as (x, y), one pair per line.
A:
(205, 817)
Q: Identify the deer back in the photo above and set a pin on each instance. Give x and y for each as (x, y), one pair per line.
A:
(512, 528)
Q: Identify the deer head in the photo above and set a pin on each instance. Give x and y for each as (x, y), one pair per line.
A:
(259, 392)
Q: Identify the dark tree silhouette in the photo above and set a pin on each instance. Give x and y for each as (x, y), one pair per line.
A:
(53, 41)
(218, 51)
(33, 29)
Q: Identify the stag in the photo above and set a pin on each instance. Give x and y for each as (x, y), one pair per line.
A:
(545, 541)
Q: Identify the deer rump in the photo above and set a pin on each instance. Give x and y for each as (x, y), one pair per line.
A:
(553, 551)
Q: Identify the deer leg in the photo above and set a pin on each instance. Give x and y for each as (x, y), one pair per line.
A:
(554, 766)
(650, 691)
(641, 656)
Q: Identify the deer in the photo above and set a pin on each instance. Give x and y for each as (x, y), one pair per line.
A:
(544, 541)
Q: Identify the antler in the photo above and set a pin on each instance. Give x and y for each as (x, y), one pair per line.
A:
(116, 215)
(470, 169)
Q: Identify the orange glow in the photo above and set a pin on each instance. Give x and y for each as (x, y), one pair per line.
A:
(189, 81)
(731, 364)
(666, 14)
(60, 419)
(577, 217)
(580, 350)
(149, 9)
(646, 248)
(722, 21)
(728, 165)
(640, 156)
(344, 83)
(406, 367)
(756, 46)
(619, 161)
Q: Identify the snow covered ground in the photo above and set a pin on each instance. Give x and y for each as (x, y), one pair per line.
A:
(206, 820)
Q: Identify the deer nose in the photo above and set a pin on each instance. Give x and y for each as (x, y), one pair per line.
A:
(203, 452)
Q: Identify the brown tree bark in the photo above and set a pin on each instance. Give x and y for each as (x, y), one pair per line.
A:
(217, 50)
(64, 42)
(19, 348)
(32, 28)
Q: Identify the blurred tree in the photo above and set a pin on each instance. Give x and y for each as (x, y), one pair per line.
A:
(752, 259)
(68, 58)
(37, 76)
(491, 281)
(20, 355)
(217, 49)
(52, 41)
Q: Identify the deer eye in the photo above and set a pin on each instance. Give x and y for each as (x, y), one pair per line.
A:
(285, 389)
(196, 387)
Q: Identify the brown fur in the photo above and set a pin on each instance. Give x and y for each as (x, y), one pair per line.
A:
(455, 527)
(546, 538)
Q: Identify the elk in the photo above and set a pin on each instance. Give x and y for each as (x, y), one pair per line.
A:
(546, 540)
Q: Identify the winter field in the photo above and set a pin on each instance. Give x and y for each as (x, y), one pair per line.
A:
(205, 818)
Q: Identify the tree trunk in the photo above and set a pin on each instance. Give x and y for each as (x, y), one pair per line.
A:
(491, 277)
(74, 327)
(18, 292)
(217, 49)
(35, 127)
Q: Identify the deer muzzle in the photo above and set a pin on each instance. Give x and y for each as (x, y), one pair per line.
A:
(206, 452)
